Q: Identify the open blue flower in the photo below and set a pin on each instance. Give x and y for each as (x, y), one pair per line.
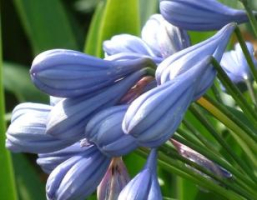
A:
(164, 38)
(202, 15)
(159, 40)
(145, 185)
(77, 177)
(235, 65)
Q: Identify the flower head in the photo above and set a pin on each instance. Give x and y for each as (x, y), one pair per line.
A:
(203, 15)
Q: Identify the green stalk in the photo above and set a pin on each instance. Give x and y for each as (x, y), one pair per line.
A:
(251, 16)
(200, 137)
(216, 93)
(181, 170)
(218, 160)
(173, 154)
(246, 53)
(235, 93)
(7, 184)
(188, 136)
(248, 139)
(213, 132)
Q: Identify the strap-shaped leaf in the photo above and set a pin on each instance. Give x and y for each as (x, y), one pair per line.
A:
(46, 24)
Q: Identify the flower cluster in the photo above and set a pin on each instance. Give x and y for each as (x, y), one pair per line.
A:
(102, 109)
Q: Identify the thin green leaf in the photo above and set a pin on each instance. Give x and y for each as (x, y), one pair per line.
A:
(7, 185)
(93, 45)
(147, 8)
(120, 17)
(29, 185)
(46, 24)
(17, 81)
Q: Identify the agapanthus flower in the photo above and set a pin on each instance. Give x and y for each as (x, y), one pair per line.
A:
(202, 15)
(235, 65)
(145, 184)
(105, 131)
(201, 160)
(164, 38)
(68, 118)
(49, 161)
(154, 116)
(77, 177)
(26, 132)
(159, 40)
(115, 179)
(183, 60)
(67, 73)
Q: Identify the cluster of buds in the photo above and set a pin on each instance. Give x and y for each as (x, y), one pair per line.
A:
(102, 109)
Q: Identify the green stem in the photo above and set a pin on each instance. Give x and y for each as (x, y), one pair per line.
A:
(238, 128)
(246, 53)
(235, 93)
(181, 170)
(173, 154)
(188, 136)
(204, 141)
(218, 160)
(7, 188)
(216, 93)
(213, 132)
(251, 91)
(251, 16)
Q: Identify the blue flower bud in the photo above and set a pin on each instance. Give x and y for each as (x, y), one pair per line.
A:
(154, 116)
(27, 131)
(67, 73)
(204, 15)
(77, 177)
(201, 160)
(145, 185)
(125, 43)
(183, 60)
(115, 179)
(68, 119)
(49, 161)
(235, 65)
(104, 130)
(164, 38)
(25, 108)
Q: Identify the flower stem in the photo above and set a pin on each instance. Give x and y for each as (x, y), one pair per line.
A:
(213, 132)
(180, 169)
(250, 14)
(246, 53)
(7, 189)
(235, 93)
